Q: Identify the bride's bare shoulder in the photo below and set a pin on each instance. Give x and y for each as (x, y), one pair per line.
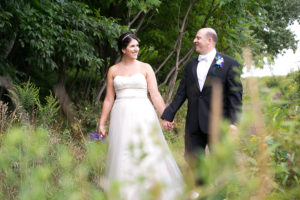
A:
(145, 66)
(146, 69)
(113, 70)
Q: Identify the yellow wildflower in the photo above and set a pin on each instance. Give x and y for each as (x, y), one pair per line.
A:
(290, 86)
(253, 140)
(267, 178)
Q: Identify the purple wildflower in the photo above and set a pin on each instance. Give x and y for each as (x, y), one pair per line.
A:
(95, 136)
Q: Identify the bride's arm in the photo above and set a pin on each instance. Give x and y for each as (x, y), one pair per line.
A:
(155, 95)
(107, 103)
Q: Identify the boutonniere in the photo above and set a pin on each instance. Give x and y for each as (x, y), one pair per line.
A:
(219, 61)
(219, 64)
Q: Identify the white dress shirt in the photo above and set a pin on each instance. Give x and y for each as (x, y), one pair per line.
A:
(203, 66)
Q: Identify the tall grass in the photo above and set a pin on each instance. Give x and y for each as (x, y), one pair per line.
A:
(262, 161)
(34, 168)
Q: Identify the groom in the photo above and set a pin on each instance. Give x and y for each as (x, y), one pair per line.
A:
(196, 86)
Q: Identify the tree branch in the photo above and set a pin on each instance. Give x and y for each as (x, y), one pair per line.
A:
(148, 21)
(141, 21)
(167, 77)
(134, 19)
(167, 58)
(211, 10)
(186, 58)
(11, 45)
(182, 62)
(183, 26)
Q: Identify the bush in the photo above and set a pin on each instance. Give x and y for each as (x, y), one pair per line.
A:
(28, 107)
(33, 168)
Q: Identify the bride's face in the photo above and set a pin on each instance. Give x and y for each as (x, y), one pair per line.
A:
(132, 49)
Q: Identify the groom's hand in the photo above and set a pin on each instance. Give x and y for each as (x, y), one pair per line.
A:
(167, 125)
(233, 129)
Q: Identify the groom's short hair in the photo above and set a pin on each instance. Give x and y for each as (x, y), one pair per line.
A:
(212, 33)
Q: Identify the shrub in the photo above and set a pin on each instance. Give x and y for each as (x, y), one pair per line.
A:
(33, 168)
(25, 97)
(28, 107)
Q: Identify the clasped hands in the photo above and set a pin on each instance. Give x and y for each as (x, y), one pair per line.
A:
(167, 125)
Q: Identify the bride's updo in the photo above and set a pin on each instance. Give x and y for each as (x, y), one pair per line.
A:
(124, 40)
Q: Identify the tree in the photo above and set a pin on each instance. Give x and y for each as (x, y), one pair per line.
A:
(74, 42)
(274, 32)
(53, 37)
(236, 21)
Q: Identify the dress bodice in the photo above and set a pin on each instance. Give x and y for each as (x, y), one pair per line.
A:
(134, 86)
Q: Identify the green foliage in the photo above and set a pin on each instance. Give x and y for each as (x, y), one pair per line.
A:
(143, 5)
(32, 168)
(59, 36)
(279, 15)
(283, 120)
(88, 116)
(48, 112)
(25, 96)
(266, 164)
(28, 105)
(55, 35)
(55, 168)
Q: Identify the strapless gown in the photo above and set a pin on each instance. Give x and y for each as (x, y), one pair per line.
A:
(139, 161)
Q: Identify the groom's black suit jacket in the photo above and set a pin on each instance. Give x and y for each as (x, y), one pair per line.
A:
(199, 101)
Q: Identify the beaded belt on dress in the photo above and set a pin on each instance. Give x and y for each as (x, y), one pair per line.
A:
(131, 97)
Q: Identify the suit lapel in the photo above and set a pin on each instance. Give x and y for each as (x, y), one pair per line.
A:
(194, 71)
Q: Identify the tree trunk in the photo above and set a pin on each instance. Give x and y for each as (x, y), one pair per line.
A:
(95, 80)
(75, 79)
(167, 58)
(100, 93)
(182, 63)
(174, 77)
(11, 45)
(62, 95)
(64, 101)
(88, 88)
(6, 83)
(85, 85)
(103, 83)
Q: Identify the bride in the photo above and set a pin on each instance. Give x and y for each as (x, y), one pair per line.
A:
(139, 163)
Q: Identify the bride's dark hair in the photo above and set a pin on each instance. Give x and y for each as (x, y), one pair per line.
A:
(124, 40)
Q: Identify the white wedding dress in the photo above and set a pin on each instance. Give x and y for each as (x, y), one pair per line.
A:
(139, 162)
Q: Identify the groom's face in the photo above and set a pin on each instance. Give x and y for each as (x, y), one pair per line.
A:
(202, 42)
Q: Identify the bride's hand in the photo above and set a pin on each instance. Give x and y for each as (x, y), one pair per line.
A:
(167, 125)
(102, 131)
